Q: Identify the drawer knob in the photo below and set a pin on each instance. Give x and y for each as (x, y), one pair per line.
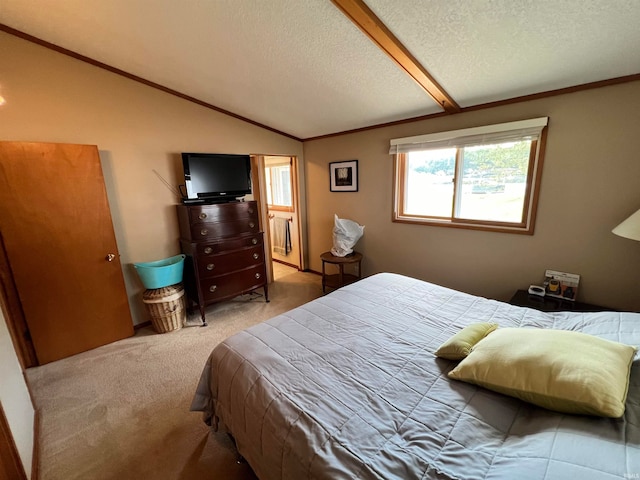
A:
(202, 216)
(210, 266)
(250, 210)
(208, 250)
(258, 275)
(204, 232)
(255, 256)
(213, 288)
(254, 240)
(251, 224)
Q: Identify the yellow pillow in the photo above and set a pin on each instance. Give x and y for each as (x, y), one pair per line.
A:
(569, 372)
(461, 343)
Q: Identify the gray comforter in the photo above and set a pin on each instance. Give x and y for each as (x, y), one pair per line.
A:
(347, 386)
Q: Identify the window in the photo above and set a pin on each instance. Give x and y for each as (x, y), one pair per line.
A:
(279, 183)
(482, 178)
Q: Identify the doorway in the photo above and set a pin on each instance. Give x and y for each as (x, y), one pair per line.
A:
(281, 202)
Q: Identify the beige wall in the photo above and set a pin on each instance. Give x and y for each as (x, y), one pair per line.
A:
(15, 399)
(590, 183)
(140, 132)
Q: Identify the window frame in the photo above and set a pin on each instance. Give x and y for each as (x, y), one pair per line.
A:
(269, 171)
(532, 190)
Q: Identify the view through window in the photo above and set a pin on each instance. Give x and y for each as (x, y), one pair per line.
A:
(279, 186)
(492, 182)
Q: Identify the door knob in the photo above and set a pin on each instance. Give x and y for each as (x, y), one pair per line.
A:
(110, 257)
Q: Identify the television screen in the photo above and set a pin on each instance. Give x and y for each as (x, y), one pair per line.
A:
(216, 176)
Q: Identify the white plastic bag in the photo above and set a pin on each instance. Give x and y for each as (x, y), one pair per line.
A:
(346, 234)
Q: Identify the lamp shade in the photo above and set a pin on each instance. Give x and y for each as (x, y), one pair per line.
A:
(630, 228)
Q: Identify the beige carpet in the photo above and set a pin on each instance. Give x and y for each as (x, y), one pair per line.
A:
(122, 411)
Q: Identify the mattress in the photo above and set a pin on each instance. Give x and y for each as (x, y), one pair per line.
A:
(348, 386)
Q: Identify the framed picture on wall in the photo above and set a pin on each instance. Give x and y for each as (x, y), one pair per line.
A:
(343, 176)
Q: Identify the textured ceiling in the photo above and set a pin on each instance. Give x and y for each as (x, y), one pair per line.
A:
(301, 67)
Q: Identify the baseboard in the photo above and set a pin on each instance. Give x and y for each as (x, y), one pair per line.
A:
(306, 270)
(287, 264)
(142, 325)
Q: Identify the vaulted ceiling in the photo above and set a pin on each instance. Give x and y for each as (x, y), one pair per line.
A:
(310, 68)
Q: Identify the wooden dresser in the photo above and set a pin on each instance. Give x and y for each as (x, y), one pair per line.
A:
(225, 252)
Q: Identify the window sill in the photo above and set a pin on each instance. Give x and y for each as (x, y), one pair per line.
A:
(469, 225)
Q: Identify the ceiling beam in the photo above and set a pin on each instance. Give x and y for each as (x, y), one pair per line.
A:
(360, 14)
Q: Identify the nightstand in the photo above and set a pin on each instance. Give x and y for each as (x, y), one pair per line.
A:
(522, 298)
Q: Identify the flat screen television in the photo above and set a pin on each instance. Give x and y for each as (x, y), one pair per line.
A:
(215, 177)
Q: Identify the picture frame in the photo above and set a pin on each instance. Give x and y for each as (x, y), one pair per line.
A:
(343, 176)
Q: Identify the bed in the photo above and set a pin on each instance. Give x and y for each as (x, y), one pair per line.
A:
(348, 386)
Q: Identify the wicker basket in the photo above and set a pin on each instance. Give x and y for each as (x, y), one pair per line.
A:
(166, 307)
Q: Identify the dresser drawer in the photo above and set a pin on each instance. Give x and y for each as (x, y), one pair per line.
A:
(232, 284)
(219, 220)
(223, 212)
(212, 231)
(212, 265)
(214, 248)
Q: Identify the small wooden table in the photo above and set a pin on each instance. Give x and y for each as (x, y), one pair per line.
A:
(341, 278)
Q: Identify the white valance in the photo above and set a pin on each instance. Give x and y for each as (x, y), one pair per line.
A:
(466, 137)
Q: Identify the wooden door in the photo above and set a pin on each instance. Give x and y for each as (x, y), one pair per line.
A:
(10, 464)
(58, 235)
